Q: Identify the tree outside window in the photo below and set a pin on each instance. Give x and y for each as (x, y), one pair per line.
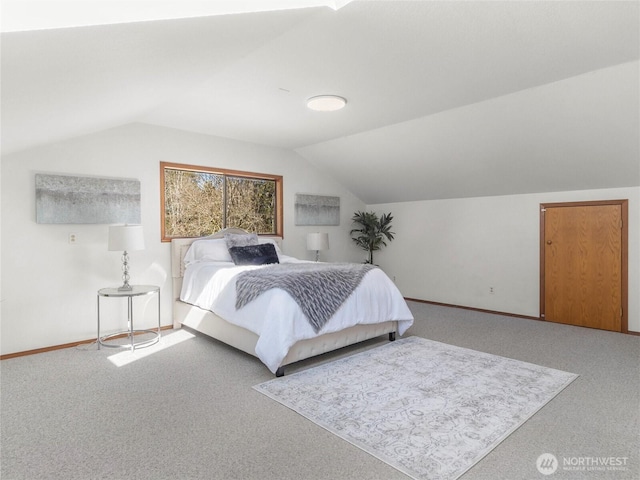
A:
(198, 201)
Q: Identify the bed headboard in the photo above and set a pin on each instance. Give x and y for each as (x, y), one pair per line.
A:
(179, 247)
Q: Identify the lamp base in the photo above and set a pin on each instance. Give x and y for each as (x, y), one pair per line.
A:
(125, 273)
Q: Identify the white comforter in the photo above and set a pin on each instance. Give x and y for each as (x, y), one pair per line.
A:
(277, 319)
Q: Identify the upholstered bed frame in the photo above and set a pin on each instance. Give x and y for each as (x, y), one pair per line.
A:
(214, 326)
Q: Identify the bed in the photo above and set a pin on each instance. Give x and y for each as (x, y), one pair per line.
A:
(206, 292)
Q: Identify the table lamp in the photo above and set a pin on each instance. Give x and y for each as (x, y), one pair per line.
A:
(126, 238)
(317, 241)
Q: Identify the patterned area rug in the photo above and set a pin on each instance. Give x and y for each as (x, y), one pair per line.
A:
(429, 409)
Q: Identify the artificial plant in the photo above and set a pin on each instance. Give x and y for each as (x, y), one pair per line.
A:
(371, 232)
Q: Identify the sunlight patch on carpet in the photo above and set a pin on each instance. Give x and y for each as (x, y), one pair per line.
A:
(428, 409)
(127, 356)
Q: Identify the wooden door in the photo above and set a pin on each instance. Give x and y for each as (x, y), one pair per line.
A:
(583, 280)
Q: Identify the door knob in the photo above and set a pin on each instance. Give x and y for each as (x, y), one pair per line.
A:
(548, 242)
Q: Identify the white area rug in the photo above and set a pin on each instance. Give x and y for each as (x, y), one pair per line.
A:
(429, 409)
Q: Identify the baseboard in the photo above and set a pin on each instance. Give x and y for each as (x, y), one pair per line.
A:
(58, 347)
(506, 314)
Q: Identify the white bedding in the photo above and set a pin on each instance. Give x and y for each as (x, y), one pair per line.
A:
(277, 319)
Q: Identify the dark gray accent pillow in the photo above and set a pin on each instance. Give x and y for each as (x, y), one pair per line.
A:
(262, 254)
(240, 240)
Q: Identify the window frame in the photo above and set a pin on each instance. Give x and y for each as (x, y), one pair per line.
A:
(225, 172)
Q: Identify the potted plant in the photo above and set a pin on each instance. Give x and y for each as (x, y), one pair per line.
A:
(371, 231)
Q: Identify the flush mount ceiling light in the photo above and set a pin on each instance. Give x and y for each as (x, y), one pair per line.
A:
(326, 103)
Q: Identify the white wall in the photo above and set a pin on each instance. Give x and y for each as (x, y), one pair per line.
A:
(452, 251)
(49, 286)
(446, 251)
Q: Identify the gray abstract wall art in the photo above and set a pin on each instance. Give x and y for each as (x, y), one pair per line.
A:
(72, 199)
(317, 210)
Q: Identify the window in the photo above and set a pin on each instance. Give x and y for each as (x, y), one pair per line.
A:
(198, 201)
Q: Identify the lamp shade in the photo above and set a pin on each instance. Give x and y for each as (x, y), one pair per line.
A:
(126, 238)
(317, 241)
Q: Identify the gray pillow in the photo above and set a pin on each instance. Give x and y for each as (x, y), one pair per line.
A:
(240, 240)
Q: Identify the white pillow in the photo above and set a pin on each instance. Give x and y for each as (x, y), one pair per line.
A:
(214, 250)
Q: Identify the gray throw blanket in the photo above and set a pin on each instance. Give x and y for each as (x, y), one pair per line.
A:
(318, 288)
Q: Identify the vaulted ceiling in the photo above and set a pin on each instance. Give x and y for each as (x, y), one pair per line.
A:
(445, 99)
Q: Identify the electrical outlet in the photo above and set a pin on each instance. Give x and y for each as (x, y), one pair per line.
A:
(73, 238)
(491, 290)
